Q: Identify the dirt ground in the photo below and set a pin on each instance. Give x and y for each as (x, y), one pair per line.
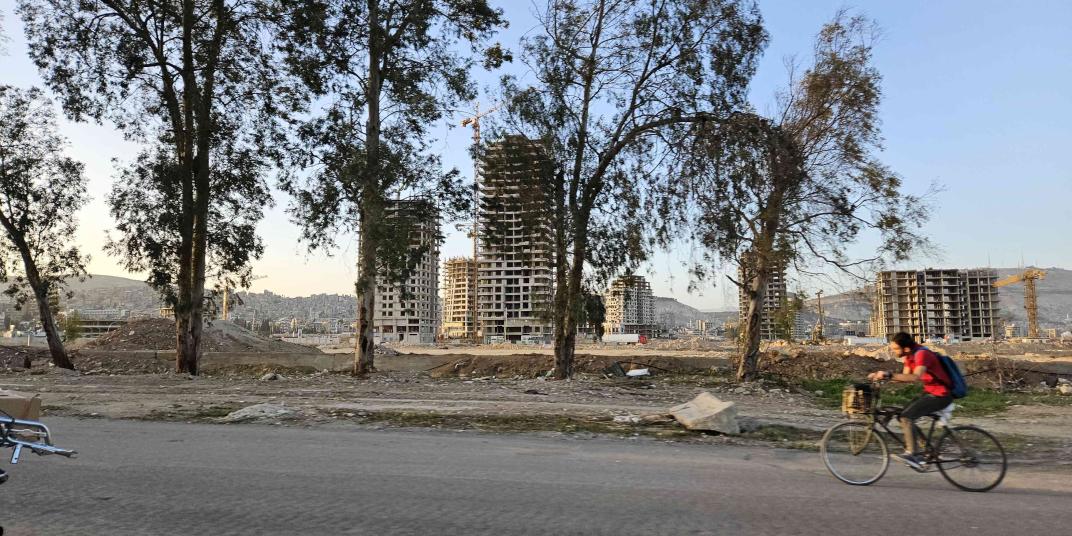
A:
(506, 390)
(497, 394)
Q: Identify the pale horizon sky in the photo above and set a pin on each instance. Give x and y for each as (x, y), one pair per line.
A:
(976, 98)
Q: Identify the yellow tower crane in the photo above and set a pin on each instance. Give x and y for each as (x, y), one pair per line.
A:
(474, 122)
(1028, 277)
(227, 299)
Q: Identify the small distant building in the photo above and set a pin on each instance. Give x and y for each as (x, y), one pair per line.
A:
(630, 306)
(774, 300)
(459, 295)
(97, 322)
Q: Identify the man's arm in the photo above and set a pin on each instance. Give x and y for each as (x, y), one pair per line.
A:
(909, 377)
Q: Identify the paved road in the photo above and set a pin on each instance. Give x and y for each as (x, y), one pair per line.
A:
(155, 478)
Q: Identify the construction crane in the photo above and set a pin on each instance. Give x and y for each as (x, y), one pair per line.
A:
(474, 122)
(817, 332)
(227, 297)
(1028, 277)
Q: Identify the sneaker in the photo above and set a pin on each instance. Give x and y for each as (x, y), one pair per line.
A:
(912, 460)
(3, 478)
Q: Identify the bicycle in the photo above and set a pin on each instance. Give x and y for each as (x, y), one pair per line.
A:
(18, 434)
(856, 453)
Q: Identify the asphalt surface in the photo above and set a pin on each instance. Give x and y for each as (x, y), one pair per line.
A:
(158, 478)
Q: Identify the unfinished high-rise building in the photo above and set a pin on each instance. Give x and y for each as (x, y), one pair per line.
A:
(406, 312)
(775, 299)
(514, 252)
(629, 306)
(946, 304)
(458, 298)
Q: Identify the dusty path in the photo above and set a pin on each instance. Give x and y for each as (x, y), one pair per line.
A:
(1041, 432)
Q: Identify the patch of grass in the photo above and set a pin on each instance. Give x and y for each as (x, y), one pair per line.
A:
(978, 402)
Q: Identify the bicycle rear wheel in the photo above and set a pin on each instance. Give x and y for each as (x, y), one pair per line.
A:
(971, 459)
(854, 453)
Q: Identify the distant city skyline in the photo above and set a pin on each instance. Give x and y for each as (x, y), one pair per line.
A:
(975, 99)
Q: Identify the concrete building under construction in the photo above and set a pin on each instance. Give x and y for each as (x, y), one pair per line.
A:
(630, 306)
(929, 304)
(514, 251)
(458, 298)
(774, 300)
(407, 312)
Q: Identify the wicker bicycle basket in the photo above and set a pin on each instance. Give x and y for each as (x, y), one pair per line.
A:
(857, 399)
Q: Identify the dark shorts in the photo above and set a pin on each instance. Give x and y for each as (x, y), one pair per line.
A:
(925, 405)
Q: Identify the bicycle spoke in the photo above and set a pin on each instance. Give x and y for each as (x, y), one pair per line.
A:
(971, 459)
(854, 453)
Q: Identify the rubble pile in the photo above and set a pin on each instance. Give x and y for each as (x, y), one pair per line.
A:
(219, 336)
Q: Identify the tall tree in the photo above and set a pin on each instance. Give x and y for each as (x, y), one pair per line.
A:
(195, 82)
(41, 190)
(614, 82)
(799, 186)
(389, 70)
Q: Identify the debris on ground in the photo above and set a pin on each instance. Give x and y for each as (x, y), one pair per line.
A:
(258, 412)
(638, 372)
(707, 412)
(271, 376)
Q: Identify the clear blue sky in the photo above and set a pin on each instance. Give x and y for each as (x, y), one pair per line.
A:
(977, 97)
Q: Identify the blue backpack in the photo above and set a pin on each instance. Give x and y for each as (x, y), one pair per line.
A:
(958, 388)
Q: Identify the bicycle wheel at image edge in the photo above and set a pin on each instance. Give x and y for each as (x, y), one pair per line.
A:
(854, 453)
(971, 459)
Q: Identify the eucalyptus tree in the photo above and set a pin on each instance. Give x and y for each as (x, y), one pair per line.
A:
(41, 191)
(386, 72)
(799, 186)
(613, 82)
(197, 84)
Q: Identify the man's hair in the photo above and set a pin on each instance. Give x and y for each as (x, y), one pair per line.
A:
(903, 340)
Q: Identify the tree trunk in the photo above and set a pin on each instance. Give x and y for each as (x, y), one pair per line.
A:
(52, 335)
(756, 291)
(40, 290)
(371, 206)
(364, 359)
(566, 341)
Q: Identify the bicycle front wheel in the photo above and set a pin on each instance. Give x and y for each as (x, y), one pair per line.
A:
(971, 459)
(854, 453)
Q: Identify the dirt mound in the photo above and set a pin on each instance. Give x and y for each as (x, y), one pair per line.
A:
(219, 336)
(823, 365)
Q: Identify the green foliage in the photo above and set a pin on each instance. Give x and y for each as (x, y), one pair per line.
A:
(209, 123)
(369, 144)
(786, 314)
(72, 327)
(41, 191)
(610, 86)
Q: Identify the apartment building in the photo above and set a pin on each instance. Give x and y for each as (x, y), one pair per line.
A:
(948, 304)
(775, 298)
(458, 298)
(514, 245)
(407, 312)
(629, 306)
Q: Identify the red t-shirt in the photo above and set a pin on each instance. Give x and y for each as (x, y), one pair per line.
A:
(935, 380)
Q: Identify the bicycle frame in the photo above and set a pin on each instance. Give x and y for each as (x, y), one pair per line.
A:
(881, 416)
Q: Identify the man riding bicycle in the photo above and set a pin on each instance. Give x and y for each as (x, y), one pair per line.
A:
(920, 365)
